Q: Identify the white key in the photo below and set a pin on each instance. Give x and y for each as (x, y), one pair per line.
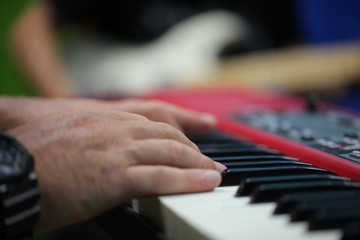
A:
(222, 216)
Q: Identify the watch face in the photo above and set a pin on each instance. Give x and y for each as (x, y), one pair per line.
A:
(15, 161)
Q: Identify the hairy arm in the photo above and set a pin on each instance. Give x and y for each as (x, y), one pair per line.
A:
(15, 112)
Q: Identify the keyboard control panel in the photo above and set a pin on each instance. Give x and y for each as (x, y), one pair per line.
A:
(334, 132)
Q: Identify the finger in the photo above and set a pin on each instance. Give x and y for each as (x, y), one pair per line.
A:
(220, 167)
(192, 121)
(156, 130)
(117, 114)
(169, 152)
(181, 118)
(155, 180)
(169, 119)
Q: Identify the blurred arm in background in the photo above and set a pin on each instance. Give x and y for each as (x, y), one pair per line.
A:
(33, 40)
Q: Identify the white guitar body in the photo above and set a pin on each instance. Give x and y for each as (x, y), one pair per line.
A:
(187, 52)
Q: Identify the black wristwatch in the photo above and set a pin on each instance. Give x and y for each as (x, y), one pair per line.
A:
(19, 194)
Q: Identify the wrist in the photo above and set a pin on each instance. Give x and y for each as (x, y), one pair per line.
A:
(19, 194)
(15, 111)
(7, 116)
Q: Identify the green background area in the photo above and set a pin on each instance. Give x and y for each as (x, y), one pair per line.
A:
(12, 82)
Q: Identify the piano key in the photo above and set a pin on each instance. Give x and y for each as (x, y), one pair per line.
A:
(224, 145)
(247, 185)
(325, 219)
(272, 191)
(263, 164)
(219, 215)
(351, 231)
(288, 200)
(304, 210)
(233, 176)
(213, 137)
(227, 152)
(253, 158)
(239, 152)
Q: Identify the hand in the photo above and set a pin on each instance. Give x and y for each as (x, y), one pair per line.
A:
(90, 161)
(183, 119)
(180, 118)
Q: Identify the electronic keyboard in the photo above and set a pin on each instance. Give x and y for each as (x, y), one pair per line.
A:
(293, 170)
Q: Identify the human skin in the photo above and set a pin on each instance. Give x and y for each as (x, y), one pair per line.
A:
(29, 109)
(33, 41)
(91, 156)
(89, 161)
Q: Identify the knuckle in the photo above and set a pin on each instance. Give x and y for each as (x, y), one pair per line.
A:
(139, 117)
(161, 176)
(166, 128)
(131, 150)
(134, 182)
(175, 148)
(127, 115)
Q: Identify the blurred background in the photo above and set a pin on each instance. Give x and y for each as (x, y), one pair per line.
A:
(112, 49)
(130, 48)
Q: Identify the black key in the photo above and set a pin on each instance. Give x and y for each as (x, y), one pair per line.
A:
(264, 164)
(224, 145)
(271, 191)
(213, 137)
(287, 201)
(247, 185)
(227, 147)
(233, 176)
(304, 210)
(239, 152)
(351, 231)
(253, 158)
(336, 218)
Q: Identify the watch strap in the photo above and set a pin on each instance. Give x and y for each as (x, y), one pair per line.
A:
(19, 207)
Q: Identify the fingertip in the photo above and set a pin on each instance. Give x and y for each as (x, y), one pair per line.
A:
(220, 167)
(209, 119)
(211, 178)
(198, 122)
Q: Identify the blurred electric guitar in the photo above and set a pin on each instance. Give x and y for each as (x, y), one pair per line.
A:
(187, 52)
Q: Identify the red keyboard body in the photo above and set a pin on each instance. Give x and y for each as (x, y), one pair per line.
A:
(327, 137)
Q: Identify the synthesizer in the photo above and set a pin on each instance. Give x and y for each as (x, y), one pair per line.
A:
(293, 171)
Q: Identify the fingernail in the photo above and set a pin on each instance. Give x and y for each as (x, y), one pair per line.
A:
(219, 167)
(209, 118)
(211, 177)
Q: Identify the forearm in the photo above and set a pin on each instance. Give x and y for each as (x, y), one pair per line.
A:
(34, 44)
(16, 111)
